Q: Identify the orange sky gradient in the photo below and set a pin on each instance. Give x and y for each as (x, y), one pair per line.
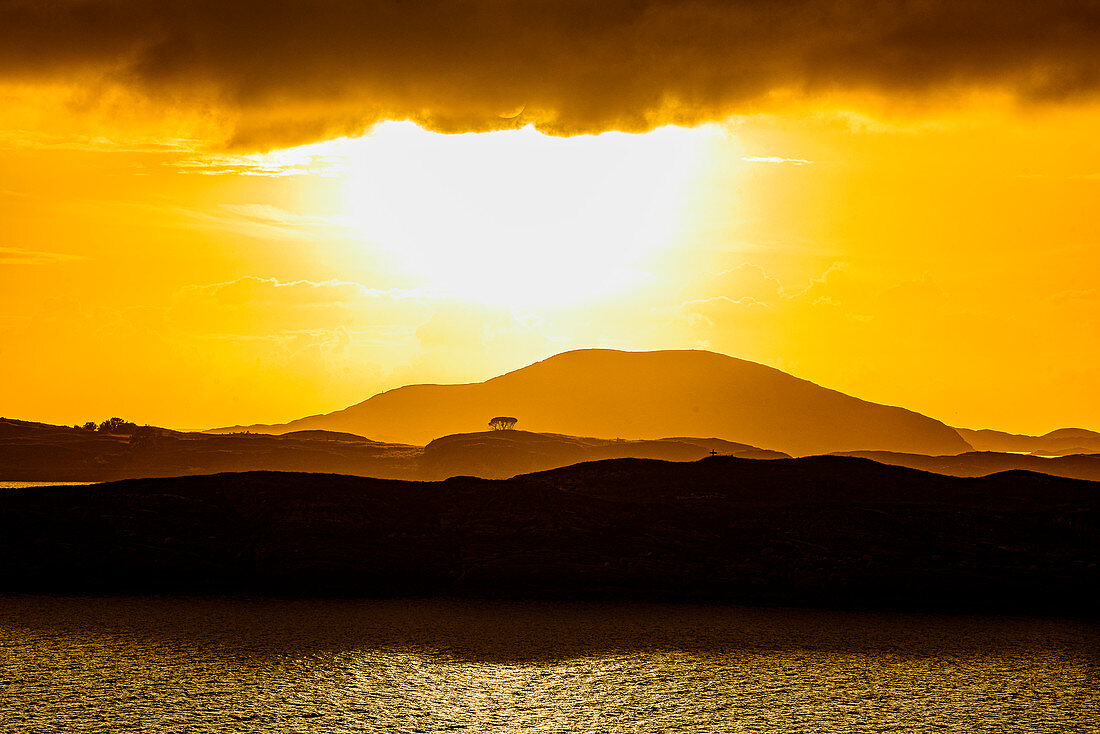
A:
(180, 248)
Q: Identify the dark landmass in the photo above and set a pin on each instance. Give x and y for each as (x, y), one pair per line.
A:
(983, 463)
(822, 531)
(1061, 442)
(646, 395)
(42, 452)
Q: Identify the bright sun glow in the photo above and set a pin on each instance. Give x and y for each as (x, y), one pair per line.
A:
(516, 216)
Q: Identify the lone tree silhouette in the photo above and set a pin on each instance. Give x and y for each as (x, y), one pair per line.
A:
(116, 425)
(503, 423)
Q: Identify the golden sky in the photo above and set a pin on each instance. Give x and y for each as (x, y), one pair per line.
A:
(218, 213)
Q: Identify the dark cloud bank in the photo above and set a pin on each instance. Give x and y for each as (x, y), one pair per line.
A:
(285, 71)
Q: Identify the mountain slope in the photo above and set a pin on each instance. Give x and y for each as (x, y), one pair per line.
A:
(646, 395)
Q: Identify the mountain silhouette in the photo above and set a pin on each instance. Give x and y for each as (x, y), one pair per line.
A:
(645, 395)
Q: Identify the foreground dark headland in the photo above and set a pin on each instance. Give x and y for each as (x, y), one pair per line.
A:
(821, 531)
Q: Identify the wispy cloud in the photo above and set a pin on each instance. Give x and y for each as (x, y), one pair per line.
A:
(774, 159)
(1067, 176)
(274, 216)
(277, 164)
(264, 220)
(85, 143)
(251, 288)
(19, 256)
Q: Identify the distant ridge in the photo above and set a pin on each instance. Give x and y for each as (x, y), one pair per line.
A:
(1062, 442)
(645, 395)
(984, 463)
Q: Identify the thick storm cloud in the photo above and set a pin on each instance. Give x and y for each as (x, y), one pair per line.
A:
(290, 71)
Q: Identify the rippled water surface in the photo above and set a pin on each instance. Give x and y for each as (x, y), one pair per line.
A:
(22, 485)
(197, 665)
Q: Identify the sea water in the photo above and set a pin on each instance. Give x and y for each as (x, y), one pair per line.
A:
(21, 485)
(168, 664)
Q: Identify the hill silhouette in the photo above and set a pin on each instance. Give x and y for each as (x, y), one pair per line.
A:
(646, 395)
(817, 531)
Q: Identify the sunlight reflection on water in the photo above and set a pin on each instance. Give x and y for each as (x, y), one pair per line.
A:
(22, 485)
(189, 664)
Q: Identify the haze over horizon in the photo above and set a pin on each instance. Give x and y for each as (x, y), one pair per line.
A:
(218, 214)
